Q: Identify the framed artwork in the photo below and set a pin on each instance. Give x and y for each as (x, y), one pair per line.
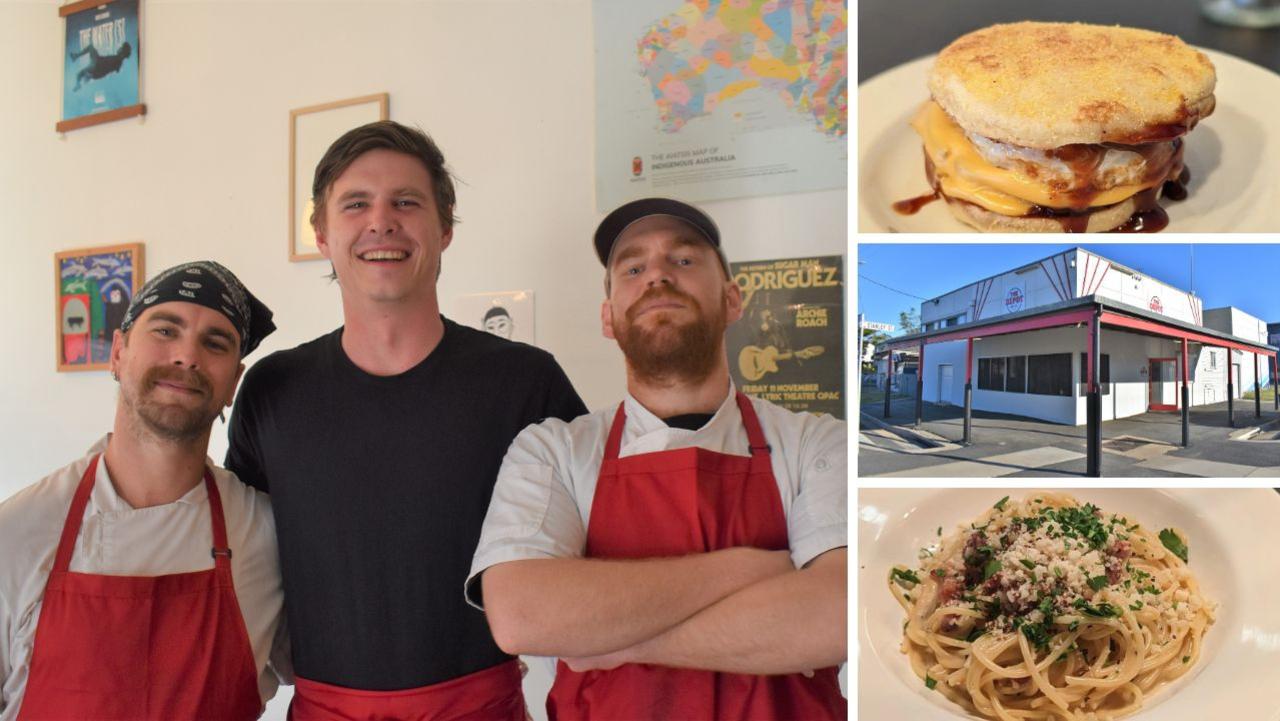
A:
(507, 314)
(311, 131)
(101, 62)
(92, 290)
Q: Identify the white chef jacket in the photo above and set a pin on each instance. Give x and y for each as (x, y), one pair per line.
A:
(117, 539)
(542, 501)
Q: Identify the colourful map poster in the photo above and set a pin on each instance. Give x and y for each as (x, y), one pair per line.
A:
(788, 347)
(711, 99)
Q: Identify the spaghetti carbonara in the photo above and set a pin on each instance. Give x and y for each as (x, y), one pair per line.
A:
(1048, 610)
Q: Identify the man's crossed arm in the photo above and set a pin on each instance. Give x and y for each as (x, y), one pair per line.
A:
(741, 610)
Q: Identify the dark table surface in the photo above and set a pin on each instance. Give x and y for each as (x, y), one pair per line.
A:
(892, 32)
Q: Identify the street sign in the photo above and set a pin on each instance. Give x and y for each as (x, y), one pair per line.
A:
(872, 325)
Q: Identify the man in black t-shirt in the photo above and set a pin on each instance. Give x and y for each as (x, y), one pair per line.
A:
(379, 444)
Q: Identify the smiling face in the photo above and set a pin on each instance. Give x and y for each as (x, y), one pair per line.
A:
(382, 231)
(178, 368)
(669, 300)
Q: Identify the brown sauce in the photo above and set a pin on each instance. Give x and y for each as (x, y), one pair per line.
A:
(1084, 160)
(911, 206)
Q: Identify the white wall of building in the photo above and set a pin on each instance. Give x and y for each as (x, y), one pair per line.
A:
(1236, 322)
(506, 87)
(1129, 388)
(1037, 284)
(938, 354)
(1102, 277)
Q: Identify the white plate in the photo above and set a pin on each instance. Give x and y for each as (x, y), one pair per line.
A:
(1233, 155)
(1234, 542)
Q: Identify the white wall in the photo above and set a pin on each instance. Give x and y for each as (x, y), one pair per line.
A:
(505, 88)
(1129, 354)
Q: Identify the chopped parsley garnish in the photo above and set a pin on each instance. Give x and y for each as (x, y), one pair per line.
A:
(904, 577)
(1097, 582)
(1028, 563)
(1135, 606)
(975, 634)
(939, 573)
(992, 568)
(930, 682)
(1186, 658)
(1037, 635)
(1175, 544)
(1046, 607)
(1000, 503)
(1102, 610)
(939, 530)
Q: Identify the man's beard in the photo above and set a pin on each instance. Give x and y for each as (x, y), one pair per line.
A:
(170, 421)
(665, 352)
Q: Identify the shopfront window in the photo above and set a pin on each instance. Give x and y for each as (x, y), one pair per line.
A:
(1049, 375)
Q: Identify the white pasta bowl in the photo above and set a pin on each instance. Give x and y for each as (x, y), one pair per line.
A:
(1234, 543)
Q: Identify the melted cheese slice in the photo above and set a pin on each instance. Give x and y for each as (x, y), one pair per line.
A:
(963, 173)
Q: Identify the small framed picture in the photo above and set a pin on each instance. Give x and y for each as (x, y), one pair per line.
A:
(100, 63)
(93, 288)
(311, 131)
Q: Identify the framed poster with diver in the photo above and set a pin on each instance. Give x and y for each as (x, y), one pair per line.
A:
(788, 347)
(93, 288)
(101, 62)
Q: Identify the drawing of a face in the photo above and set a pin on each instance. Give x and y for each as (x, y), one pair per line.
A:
(498, 322)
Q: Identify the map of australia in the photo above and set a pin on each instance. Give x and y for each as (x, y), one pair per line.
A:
(709, 51)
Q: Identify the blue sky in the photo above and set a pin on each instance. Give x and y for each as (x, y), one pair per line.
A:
(1245, 275)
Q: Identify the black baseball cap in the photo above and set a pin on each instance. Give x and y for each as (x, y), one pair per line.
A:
(621, 218)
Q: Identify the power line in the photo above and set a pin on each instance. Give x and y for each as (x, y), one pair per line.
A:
(895, 290)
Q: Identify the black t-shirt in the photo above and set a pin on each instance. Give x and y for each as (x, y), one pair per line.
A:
(380, 486)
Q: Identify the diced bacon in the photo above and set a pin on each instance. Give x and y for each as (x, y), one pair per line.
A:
(952, 588)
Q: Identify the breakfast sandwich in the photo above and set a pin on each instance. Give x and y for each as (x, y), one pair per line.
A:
(1056, 127)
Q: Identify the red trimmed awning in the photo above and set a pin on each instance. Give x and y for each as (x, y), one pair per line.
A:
(1148, 326)
(1073, 317)
(1055, 320)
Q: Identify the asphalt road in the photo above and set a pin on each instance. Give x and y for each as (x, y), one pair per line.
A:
(1006, 445)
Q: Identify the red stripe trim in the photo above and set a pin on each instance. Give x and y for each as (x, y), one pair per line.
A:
(1088, 275)
(1015, 326)
(1066, 277)
(1052, 283)
(1148, 326)
(1101, 278)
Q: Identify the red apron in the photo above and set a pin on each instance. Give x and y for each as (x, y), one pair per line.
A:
(672, 503)
(493, 694)
(141, 647)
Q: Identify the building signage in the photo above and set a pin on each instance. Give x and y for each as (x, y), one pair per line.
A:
(873, 325)
(1014, 299)
(1155, 304)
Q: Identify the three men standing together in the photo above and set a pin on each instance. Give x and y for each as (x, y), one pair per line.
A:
(652, 547)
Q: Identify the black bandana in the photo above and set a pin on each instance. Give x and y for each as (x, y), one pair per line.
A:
(207, 283)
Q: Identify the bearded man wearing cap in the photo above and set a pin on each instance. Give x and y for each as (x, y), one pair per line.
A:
(141, 581)
(683, 553)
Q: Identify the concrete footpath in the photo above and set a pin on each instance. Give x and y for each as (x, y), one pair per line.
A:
(1011, 446)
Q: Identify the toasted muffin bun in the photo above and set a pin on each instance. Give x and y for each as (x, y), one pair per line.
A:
(1100, 220)
(1045, 85)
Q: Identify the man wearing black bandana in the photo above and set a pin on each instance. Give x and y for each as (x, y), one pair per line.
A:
(148, 582)
(379, 444)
